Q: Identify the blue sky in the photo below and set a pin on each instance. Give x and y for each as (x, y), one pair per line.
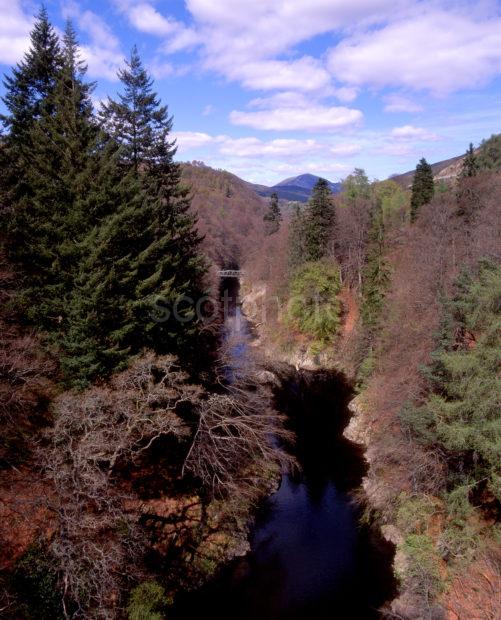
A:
(273, 88)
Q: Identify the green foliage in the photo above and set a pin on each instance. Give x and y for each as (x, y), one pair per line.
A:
(356, 186)
(394, 201)
(366, 367)
(31, 83)
(461, 414)
(460, 541)
(489, 155)
(422, 573)
(36, 584)
(100, 226)
(470, 164)
(147, 601)
(296, 248)
(413, 513)
(422, 187)
(458, 502)
(53, 213)
(314, 307)
(319, 222)
(376, 273)
(273, 216)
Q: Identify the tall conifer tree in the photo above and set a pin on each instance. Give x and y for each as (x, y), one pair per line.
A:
(27, 92)
(470, 165)
(319, 221)
(64, 164)
(297, 238)
(273, 216)
(376, 272)
(144, 274)
(32, 81)
(422, 187)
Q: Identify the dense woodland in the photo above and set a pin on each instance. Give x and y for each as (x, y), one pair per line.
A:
(128, 466)
(423, 265)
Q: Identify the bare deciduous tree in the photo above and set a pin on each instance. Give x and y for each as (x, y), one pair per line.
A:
(93, 432)
(237, 439)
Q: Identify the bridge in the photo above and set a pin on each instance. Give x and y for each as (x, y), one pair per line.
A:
(231, 273)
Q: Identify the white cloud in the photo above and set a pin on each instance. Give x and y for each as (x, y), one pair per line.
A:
(399, 103)
(241, 40)
(346, 94)
(437, 45)
(314, 118)
(147, 19)
(409, 132)
(286, 99)
(315, 167)
(252, 147)
(264, 28)
(436, 50)
(144, 17)
(345, 150)
(190, 140)
(246, 147)
(304, 74)
(396, 150)
(161, 69)
(15, 28)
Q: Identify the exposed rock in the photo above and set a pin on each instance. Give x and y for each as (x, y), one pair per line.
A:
(267, 378)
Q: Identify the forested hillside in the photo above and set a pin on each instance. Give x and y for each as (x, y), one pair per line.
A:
(230, 214)
(128, 465)
(131, 458)
(425, 351)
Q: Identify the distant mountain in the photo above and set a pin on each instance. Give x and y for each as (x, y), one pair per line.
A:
(295, 188)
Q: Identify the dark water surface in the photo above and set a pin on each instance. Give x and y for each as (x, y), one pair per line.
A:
(309, 557)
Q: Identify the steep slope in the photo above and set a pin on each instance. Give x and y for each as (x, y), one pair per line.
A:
(230, 213)
(448, 168)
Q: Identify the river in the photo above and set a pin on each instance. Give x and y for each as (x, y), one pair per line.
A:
(310, 559)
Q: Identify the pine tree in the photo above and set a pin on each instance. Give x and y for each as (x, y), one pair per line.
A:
(470, 165)
(422, 187)
(143, 276)
(26, 97)
(297, 238)
(64, 164)
(273, 216)
(376, 273)
(32, 81)
(138, 122)
(319, 221)
(99, 314)
(468, 198)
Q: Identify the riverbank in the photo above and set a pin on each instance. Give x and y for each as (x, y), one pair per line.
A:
(359, 424)
(309, 554)
(311, 522)
(415, 523)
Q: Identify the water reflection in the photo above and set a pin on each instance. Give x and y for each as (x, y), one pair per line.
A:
(309, 559)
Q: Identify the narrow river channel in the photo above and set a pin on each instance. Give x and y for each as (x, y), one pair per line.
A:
(310, 559)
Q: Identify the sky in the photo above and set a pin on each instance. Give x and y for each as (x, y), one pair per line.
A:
(269, 89)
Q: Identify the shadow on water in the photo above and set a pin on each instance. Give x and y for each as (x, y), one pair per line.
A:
(309, 559)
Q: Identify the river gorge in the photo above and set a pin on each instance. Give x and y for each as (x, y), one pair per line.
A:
(310, 557)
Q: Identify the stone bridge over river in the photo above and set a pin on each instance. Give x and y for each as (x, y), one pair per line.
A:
(230, 273)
